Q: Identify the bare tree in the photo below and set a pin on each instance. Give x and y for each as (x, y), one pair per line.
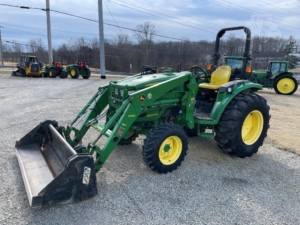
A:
(144, 33)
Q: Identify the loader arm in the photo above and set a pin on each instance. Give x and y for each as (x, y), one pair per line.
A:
(126, 114)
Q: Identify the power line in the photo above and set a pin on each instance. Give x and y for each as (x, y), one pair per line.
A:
(164, 9)
(126, 6)
(84, 18)
(247, 12)
(162, 16)
(112, 17)
(267, 3)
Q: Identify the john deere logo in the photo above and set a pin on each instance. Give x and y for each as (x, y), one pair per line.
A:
(142, 98)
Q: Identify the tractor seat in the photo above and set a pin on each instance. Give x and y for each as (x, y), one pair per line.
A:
(219, 77)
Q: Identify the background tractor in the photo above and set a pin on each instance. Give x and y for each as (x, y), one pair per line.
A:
(276, 76)
(28, 66)
(55, 69)
(80, 68)
(166, 107)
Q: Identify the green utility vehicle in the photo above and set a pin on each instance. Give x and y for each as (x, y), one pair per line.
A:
(55, 70)
(276, 76)
(57, 168)
(80, 68)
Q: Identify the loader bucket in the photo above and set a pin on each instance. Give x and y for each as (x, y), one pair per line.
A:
(53, 173)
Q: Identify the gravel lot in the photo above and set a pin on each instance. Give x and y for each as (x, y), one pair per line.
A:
(209, 188)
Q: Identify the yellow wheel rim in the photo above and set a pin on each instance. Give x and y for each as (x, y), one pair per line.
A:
(252, 127)
(73, 72)
(170, 150)
(285, 85)
(50, 73)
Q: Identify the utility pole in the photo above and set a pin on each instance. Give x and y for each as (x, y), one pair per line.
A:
(101, 39)
(1, 52)
(49, 32)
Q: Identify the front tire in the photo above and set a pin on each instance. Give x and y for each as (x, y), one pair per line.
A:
(165, 147)
(285, 85)
(129, 140)
(243, 125)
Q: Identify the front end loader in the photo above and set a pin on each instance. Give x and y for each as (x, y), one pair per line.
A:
(166, 107)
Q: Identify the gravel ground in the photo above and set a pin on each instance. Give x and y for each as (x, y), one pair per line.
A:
(209, 188)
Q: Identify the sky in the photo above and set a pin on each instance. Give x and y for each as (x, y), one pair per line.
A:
(193, 20)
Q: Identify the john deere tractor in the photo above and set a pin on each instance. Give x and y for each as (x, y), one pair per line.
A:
(81, 68)
(55, 70)
(28, 66)
(276, 76)
(165, 107)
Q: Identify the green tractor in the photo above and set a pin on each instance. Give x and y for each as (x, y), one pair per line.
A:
(166, 107)
(276, 76)
(80, 68)
(55, 70)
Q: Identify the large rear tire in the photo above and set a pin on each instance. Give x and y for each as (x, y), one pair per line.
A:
(165, 147)
(63, 74)
(285, 85)
(243, 125)
(74, 72)
(52, 73)
(87, 73)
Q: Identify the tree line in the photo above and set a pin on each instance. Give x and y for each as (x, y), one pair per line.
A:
(142, 49)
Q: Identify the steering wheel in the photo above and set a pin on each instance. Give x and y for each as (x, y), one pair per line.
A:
(196, 70)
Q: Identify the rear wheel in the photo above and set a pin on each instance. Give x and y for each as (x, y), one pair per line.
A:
(285, 85)
(87, 73)
(243, 125)
(74, 72)
(165, 147)
(52, 73)
(63, 74)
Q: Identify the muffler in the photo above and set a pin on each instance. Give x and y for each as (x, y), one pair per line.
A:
(53, 172)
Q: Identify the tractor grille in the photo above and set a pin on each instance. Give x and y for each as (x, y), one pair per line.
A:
(35, 68)
(118, 94)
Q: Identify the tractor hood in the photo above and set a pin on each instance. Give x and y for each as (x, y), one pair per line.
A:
(259, 72)
(143, 81)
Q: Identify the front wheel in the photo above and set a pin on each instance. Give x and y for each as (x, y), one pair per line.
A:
(165, 147)
(285, 85)
(243, 125)
(128, 141)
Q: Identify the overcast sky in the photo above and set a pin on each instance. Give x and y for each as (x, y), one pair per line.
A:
(189, 19)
